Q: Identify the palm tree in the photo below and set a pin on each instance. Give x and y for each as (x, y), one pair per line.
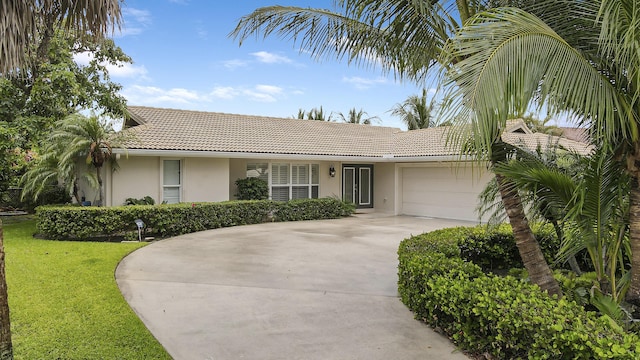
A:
(313, 114)
(358, 117)
(583, 61)
(18, 19)
(89, 138)
(416, 112)
(49, 170)
(406, 38)
(586, 203)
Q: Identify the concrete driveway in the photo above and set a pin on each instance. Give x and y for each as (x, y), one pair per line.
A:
(299, 290)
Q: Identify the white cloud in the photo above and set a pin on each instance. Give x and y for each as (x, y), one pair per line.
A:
(142, 17)
(127, 70)
(224, 92)
(134, 21)
(155, 96)
(363, 83)
(151, 95)
(121, 70)
(263, 93)
(269, 89)
(234, 64)
(271, 58)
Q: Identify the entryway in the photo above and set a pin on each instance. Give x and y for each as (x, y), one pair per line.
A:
(357, 185)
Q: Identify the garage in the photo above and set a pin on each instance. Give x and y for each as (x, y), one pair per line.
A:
(442, 192)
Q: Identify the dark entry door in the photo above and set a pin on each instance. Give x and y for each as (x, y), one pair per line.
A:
(357, 185)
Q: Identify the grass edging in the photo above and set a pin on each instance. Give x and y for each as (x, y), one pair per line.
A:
(65, 303)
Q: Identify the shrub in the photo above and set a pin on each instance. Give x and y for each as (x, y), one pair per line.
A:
(252, 188)
(311, 209)
(147, 200)
(501, 316)
(50, 195)
(82, 223)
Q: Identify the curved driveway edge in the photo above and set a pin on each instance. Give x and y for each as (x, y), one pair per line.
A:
(297, 290)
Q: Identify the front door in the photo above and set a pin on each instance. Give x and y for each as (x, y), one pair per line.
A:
(357, 185)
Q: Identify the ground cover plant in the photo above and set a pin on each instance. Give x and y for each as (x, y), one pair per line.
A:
(503, 317)
(65, 303)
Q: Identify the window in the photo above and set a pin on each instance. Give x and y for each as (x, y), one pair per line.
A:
(280, 182)
(171, 181)
(259, 170)
(288, 181)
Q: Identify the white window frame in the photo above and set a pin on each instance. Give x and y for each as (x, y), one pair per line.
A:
(180, 178)
(290, 185)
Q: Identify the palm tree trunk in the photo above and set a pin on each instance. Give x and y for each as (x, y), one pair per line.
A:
(529, 248)
(633, 294)
(6, 348)
(99, 185)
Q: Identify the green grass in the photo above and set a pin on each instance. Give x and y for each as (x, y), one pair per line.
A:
(64, 301)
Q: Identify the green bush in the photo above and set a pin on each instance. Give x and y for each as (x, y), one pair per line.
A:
(50, 195)
(501, 316)
(147, 200)
(252, 188)
(312, 209)
(495, 248)
(92, 223)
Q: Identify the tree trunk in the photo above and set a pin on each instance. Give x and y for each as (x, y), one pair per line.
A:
(529, 248)
(6, 348)
(99, 186)
(633, 295)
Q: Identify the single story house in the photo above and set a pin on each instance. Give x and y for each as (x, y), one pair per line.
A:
(193, 156)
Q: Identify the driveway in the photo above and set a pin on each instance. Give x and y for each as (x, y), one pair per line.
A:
(298, 290)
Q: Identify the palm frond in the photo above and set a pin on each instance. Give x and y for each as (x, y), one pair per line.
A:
(19, 23)
(403, 37)
(513, 61)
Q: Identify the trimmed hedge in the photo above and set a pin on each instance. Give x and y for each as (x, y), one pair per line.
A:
(502, 316)
(82, 223)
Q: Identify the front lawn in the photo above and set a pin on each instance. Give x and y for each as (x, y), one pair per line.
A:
(65, 303)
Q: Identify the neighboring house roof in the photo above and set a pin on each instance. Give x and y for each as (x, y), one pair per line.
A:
(171, 130)
(575, 134)
(544, 141)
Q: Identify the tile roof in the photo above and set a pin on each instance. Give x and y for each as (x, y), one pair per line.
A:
(185, 130)
(575, 134)
(169, 129)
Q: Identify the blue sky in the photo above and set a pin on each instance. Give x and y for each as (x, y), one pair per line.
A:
(183, 58)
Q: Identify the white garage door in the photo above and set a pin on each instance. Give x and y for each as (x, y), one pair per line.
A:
(442, 192)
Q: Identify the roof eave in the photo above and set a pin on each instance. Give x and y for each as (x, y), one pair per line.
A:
(277, 156)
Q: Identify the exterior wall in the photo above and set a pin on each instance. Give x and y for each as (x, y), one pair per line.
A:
(330, 186)
(384, 187)
(237, 170)
(205, 179)
(84, 189)
(138, 176)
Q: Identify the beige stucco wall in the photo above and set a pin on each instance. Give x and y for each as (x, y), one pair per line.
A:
(330, 186)
(137, 177)
(237, 170)
(205, 179)
(84, 188)
(384, 187)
